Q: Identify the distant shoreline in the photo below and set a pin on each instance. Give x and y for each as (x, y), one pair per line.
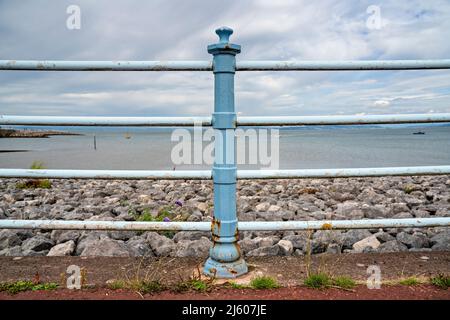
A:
(13, 133)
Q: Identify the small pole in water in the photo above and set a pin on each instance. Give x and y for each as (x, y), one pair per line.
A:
(95, 143)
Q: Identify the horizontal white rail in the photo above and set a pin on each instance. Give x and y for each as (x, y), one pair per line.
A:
(342, 65)
(106, 174)
(343, 173)
(343, 120)
(207, 174)
(207, 121)
(104, 121)
(206, 226)
(58, 65)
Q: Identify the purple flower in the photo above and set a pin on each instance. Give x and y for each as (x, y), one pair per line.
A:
(166, 219)
(179, 203)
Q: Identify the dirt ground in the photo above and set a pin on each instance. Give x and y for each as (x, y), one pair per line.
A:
(289, 272)
(419, 292)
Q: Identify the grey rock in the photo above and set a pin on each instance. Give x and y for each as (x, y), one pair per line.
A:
(265, 251)
(392, 246)
(8, 238)
(161, 245)
(88, 238)
(356, 215)
(412, 201)
(368, 249)
(402, 215)
(2, 214)
(247, 216)
(376, 211)
(286, 247)
(334, 248)
(287, 215)
(24, 234)
(194, 248)
(347, 207)
(60, 236)
(106, 247)
(32, 253)
(121, 235)
(37, 243)
(341, 197)
(420, 249)
(139, 247)
(164, 250)
(194, 218)
(369, 196)
(265, 242)
(441, 246)
(421, 214)
(443, 212)
(262, 207)
(318, 246)
(442, 237)
(77, 216)
(384, 236)
(371, 242)
(353, 236)
(399, 207)
(298, 241)
(62, 249)
(328, 236)
(274, 208)
(190, 235)
(247, 245)
(416, 240)
(11, 252)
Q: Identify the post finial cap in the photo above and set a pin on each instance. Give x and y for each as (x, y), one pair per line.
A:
(224, 34)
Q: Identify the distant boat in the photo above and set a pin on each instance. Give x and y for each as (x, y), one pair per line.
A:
(419, 132)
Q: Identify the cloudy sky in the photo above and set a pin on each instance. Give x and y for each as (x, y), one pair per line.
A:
(266, 30)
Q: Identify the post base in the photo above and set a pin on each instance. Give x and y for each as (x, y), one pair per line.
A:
(227, 270)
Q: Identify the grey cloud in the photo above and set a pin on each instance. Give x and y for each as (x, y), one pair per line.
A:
(177, 30)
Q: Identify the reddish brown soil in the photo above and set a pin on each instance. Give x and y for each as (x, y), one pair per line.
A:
(289, 271)
(419, 292)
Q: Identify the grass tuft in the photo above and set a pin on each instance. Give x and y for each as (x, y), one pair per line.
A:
(235, 285)
(317, 281)
(408, 189)
(442, 281)
(20, 286)
(264, 282)
(37, 165)
(150, 287)
(35, 183)
(411, 281)
(344, 282)
(117, 285)
(192, 284)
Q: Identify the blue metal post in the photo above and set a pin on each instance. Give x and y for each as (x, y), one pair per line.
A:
(225, 259)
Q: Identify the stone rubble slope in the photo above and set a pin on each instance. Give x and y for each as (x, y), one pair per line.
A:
(258, 200)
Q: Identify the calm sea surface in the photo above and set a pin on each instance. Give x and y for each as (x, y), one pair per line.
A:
(301, 147)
